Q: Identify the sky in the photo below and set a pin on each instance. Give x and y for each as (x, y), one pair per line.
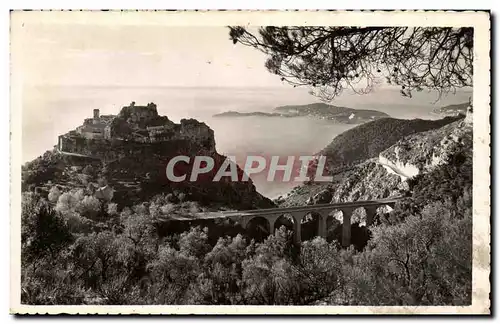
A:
(142, 55)
(136, 55)
(117, 50)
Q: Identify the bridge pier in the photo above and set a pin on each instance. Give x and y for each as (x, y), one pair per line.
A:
(322, 229)
(243, 221)
(297, 227)
(371, 211)
(272, 221)
(346, 226)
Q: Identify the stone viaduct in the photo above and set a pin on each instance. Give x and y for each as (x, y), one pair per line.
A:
(322, 212)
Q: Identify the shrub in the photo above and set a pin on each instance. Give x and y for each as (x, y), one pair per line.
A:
(54, 194)
(89, 207)
(88, 170)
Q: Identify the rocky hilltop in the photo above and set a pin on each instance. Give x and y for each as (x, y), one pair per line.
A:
(316, 110)
(125, 156)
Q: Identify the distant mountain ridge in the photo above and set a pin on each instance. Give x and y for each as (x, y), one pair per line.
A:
(316, 110)
(248, 114)
(453, 110)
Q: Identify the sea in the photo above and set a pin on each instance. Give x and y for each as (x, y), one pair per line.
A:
(48, 111)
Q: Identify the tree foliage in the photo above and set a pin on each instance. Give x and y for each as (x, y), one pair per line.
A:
(43, 232)
(418, 254)
(423, 260)
(331, 59)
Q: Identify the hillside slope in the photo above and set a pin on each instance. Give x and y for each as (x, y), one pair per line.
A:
(368, 140)
(415, 154)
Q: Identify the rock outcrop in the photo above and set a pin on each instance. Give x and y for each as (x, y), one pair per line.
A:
(322, 197)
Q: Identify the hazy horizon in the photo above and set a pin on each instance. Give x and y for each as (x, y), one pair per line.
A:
(188, 71)
(52, 111)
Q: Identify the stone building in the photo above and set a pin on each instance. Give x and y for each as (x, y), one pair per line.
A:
(96, 127)
(136, 114)
(92, 131)
(160, 133)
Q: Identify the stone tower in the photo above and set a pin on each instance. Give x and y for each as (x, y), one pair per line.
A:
(96, 113)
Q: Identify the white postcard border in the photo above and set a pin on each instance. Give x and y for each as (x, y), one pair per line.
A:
(481, 147)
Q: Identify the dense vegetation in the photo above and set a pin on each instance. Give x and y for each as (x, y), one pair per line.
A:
(368, 140)
(77, 249)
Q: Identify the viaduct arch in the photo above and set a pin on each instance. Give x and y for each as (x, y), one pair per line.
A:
(322, 211)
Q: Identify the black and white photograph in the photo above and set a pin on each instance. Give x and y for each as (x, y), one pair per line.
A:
(191, 162)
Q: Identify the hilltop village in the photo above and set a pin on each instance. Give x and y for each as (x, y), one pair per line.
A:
(134, 124)
(136, 133)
